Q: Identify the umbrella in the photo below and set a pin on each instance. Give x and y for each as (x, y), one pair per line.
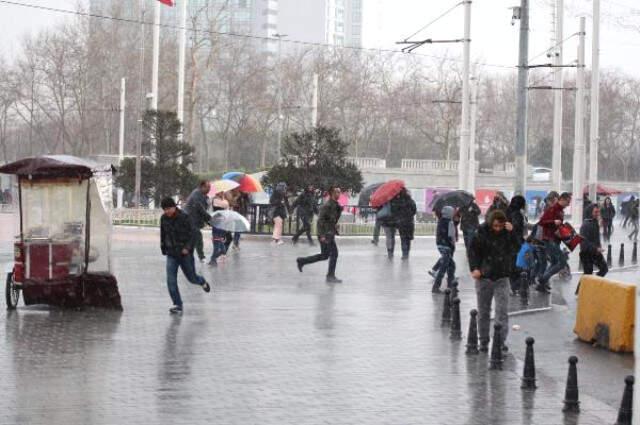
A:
(456, 199)
(247, 182)
(229, 221)
(386, 192)
(365, 194)
(222, 186)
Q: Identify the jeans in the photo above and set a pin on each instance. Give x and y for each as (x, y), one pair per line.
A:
(390, 238)
(218, 250)
(376, 231)
(486, 291)
(236, 238)
(589, 259)
(541, 261)
(558, 260)
(607, 229)
(468, 236)
(278, 224)
(199, 245)
(188, 266)
(447, 265)
(328, 251)
(306, 228)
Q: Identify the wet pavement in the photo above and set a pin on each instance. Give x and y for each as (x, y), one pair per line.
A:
(273, 346)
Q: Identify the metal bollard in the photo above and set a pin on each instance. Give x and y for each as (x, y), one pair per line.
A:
(625, 413)
(571, 394)
(472, 338)
(621, 259)
(446, 308)
(634, 253)
(456, 332)
(496, 348)
(529, 372)
(454, 290)
(609, 256)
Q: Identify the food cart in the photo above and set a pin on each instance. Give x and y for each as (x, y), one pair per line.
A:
(62, 253)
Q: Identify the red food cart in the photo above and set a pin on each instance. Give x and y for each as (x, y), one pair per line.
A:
(62, 254)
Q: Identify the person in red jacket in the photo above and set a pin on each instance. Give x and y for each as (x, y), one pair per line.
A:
(550, 221)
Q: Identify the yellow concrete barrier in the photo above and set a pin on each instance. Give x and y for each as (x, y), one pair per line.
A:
(606, 313)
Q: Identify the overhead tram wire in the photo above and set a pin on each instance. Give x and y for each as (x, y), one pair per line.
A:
(445, 13)
(245, 36)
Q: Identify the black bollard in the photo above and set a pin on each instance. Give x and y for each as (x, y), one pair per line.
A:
(446, 308)
(625, 414)
(524, 288)
(609, 257)
(621, 259)
(634, 253)
(456, 332)
(529, 373)
(571, 396)
(496, 348)
(454, 290)
(472, 338)
(580, 267)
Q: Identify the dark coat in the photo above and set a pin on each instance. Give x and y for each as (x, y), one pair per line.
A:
(590, 231)
(470, 218)
(442, 233)
(547, 221)
(608, 212)
(196, 207)
(493, 253)
(306, 204)
(328, 218)
(279, 204)
(177, 233)
(519, 222)
(403, 212)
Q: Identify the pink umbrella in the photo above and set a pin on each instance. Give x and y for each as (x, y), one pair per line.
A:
(342, 201)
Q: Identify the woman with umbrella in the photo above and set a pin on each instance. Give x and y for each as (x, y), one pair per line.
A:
(219, 236)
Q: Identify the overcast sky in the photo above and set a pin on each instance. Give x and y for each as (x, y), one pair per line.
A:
(494, 40)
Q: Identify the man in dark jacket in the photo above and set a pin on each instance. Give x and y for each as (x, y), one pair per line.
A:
(196, 208)
(590, 247)
(469, 221)
(403, 212)
(518, 219)
(328, 218)
(550, 221)
(608, 213)
(177, 239)
(306, 207)
(490, 262)
(446, 244)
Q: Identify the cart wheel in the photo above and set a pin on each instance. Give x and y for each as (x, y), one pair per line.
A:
(12, 293)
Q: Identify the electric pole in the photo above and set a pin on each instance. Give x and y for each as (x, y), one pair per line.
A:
(558, 77)
(521, 119)
(463, 163)
(314, 103)
(136, 195)
(156, 55)
(279, 96)
(123, 105)
(472, 136)
(579, 165)
(594, 133)
(182, 48)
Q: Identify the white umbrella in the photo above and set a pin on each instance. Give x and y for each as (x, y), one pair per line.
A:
(229, 221)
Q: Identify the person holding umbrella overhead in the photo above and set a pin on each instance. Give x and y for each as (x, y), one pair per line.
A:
(328, 218)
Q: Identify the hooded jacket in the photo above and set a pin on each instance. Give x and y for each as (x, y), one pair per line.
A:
(493, 253)
(177, 233)
(470, 218)
(590, 231)
(516, 217)
(444, 235)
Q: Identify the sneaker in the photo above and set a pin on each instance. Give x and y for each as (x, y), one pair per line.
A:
(374, 242)
(300, 265)
(203, 259)
(432, 273)
(279, 242)
(333, 279)
(206, 287)
(175, 310)
(294, 241)
(212, 263)
(436, 290)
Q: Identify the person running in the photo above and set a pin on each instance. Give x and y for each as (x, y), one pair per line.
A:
(278, 211)
(328, 218)
(608, 213)
(551, 221)
(469, 221)
(306, 207)
(196, 209)
(403, 212)
(490, 262)
(518, 219)
(177, 240)
(446, 237)
(590, 247)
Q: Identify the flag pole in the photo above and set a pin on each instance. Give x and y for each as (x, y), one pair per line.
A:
(156, 55)
(182, 47)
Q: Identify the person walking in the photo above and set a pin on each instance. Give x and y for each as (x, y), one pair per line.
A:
(499, 203)
(516, 216)
(633, 219)
(219, 237)
(469, 221)
(238, 202)
(590, 247)
(403, 212)
(196, 209)
(177, 240)
(328, 218)
(278, 211)
(446, 238)
(377, 226)
(551, 221)
(306, 207)
(490, 262)
(608, 213)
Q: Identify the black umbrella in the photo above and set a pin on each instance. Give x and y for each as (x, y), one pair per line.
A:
(365, 194)
(455, 199)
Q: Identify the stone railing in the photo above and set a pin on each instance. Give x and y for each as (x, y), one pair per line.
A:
(429, 164)
(136, 217)
(363, 163)
(508, 169)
